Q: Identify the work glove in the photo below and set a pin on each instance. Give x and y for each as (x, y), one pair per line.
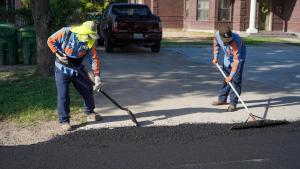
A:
(62, 57)
(98, 83)
(215, 61)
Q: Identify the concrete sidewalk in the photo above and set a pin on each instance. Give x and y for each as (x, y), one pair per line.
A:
(177, 85)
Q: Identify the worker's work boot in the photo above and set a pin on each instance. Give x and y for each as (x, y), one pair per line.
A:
(218, 103)
(231, 108)
(66, 126)
(93, 117)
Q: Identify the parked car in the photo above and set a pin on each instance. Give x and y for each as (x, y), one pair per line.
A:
(124, 24)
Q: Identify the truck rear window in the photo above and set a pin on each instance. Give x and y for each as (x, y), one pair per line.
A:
(131, 11)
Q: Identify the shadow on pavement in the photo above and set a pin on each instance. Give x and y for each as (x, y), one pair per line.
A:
(275, 102)
(158, 114)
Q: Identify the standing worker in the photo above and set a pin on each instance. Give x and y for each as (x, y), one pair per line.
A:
(70, 46)
(234, 59)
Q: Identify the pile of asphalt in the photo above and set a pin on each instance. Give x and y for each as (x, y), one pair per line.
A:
(183, 134)
(152, 147)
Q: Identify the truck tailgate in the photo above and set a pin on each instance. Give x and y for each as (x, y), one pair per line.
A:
(138, 26)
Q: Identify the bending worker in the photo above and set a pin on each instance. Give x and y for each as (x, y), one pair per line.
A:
(70, 46)
(234, 58)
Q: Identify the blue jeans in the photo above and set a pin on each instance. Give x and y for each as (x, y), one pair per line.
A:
(82, 84)
(236, 82)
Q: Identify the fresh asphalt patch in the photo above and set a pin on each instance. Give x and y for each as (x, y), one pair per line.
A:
(208, 146)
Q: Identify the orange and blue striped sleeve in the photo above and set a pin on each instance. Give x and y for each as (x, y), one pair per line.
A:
(55, 40)
(236, 46)
(95, 61)
(216, 47)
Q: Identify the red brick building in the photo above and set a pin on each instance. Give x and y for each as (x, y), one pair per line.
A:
(242, 15)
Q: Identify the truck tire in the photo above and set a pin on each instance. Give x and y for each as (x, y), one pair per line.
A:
(155, 48)
(108, 44)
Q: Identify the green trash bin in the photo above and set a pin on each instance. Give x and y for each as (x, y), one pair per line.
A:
(8, 45)
(28, 39)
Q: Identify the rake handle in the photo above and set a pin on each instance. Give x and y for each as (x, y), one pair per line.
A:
(132, 117)
(112, 100)
(236, 93)
(109, 98)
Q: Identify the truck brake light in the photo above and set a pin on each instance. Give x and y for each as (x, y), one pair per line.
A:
(115, 27)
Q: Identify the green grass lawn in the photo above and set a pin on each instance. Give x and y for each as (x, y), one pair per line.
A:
(266, 40)
(28, 98)
(187, 41)
(209, 41)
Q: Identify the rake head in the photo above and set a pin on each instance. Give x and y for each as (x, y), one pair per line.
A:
(133, 119)
(258, 124)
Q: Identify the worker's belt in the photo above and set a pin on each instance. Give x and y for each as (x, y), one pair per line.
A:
(72, 63)
(68, 68)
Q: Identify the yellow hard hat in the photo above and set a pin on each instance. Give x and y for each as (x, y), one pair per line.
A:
(87, 28)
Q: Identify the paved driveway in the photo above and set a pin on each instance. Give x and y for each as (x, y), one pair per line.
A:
(275, 65)
(178, 84)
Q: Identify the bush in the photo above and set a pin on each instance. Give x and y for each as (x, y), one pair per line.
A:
(62, 13)
(25, 14)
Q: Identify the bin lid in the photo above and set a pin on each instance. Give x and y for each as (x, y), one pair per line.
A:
(27, 31)
(7, 30)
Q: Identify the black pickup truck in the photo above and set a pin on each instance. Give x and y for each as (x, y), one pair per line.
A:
(124, 24)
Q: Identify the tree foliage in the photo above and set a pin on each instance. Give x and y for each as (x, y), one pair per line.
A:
(62, 13)
(70, 12)
(90, 9)
(26, 3)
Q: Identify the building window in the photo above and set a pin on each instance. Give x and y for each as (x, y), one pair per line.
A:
(136, 1)
(224, 10)
(186, 4)
(202, 9)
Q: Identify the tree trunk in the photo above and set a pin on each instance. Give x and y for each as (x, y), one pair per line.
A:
(41, 18)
